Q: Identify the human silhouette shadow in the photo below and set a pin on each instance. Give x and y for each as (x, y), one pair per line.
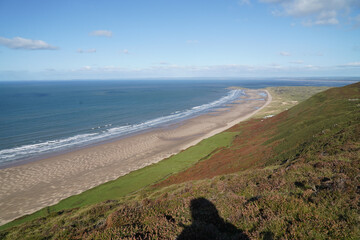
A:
(207, 224)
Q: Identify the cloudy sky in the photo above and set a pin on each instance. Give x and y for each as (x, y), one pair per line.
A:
(67, 39)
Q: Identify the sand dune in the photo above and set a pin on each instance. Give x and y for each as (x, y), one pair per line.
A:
(27, 188)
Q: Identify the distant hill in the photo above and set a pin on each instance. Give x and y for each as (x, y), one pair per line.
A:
(295, 175)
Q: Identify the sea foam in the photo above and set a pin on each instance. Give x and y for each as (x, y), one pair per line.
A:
(109, 132)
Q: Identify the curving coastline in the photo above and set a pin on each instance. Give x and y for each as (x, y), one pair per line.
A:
(30, 187)
(39, 150)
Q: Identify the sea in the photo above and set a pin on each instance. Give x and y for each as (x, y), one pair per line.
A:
(43, 118)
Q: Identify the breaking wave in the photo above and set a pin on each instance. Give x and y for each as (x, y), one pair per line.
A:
(108, 131)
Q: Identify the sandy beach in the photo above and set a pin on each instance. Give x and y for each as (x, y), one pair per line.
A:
(27, 188)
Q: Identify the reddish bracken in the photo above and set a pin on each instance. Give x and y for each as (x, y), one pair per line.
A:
(247, 151)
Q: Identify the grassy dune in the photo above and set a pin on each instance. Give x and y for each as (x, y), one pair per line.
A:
(286, 97)
(294, 175)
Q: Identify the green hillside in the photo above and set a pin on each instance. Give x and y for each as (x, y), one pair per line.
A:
(294, 176)
(283, 98)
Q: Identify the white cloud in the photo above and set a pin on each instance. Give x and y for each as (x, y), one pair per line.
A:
(324, 18)
(124, 51)
(86, 68)
(275, 66)
(302, 8)
(351, 65)
(311, 67)
(102, 69)
(196, 70)
(244, 2)
(314, 12)
(91, 50)
(28, 44)
(103, 33)
(182, 71)
(285, 54)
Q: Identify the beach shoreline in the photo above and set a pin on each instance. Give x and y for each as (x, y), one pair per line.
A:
(31, 186)
(57, 135)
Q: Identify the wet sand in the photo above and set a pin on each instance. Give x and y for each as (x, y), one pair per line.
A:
(27, 188)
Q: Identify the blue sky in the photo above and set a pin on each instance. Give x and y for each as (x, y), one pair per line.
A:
(48, 39)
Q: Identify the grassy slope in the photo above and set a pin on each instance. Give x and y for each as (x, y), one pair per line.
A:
(324, 114)
(278, 139)
(286, 97)
(298, 149)
(136, 180)
(149, 175)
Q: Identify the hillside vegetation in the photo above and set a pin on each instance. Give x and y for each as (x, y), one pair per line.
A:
(144, 177)
(292, 176)
(283, 98)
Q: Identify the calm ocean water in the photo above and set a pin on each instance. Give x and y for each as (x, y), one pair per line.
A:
(39, 118)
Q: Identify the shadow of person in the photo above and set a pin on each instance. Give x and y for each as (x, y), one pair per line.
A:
(207, 224)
